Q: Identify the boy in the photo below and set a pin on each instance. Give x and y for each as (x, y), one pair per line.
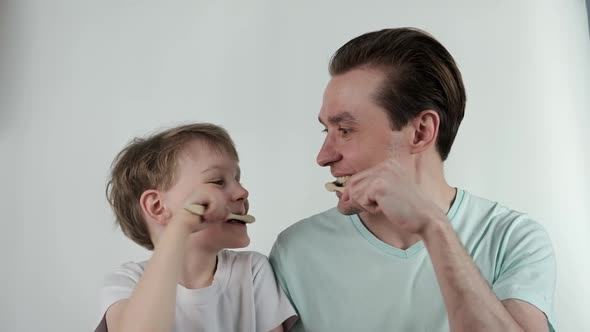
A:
(191, 283)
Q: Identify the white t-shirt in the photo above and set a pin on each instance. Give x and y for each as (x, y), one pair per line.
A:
(244, 296)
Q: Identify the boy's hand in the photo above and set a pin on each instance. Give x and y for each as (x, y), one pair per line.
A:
(216, 210)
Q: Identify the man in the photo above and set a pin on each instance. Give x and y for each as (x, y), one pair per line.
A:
(404, 250)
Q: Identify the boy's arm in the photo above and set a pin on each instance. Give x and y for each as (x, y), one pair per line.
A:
(152, 303)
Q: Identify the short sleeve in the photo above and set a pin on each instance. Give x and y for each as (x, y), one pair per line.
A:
(276, 258)
(272, 305)
(526, 269)
(117, 286)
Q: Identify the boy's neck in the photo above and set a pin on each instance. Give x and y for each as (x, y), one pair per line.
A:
(198, 269)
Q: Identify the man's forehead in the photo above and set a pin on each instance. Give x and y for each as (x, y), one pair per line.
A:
(360, 82)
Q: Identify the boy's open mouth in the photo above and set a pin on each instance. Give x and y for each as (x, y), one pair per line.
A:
(235, 221)
(232, 218)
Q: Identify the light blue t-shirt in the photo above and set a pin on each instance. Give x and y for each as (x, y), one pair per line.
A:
(340, 277)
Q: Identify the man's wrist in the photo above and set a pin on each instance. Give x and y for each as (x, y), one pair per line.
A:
(435, 227)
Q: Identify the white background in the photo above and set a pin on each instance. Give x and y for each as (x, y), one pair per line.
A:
(79, 79)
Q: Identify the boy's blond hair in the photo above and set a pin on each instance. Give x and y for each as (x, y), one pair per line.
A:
(151, 163)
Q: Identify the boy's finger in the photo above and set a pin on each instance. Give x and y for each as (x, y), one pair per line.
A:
(195, 209)
(216, 211)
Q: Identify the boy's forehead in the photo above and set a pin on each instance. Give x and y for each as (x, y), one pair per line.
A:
(208, 156)
(223, 168)
(202, 148)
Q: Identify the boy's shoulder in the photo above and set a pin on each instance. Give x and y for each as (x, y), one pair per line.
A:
(243, 255)
(133, 270)
(125, 276)
(252, 259)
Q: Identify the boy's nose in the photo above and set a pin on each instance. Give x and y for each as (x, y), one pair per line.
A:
(241, 193)
(241, 196)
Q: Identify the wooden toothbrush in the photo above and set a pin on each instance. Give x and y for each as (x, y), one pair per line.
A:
(334, 186)
(200, 210)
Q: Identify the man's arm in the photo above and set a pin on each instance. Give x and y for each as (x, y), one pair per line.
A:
(529, 317)
(470, 302)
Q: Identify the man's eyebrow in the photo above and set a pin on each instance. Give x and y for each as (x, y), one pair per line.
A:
(344, 117)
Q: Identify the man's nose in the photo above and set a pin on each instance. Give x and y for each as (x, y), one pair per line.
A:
(328, 153)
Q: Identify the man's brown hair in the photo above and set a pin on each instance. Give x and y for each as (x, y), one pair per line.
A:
(151, 163)
(420, 75)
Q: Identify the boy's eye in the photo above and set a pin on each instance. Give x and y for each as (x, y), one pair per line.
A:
(218, 182)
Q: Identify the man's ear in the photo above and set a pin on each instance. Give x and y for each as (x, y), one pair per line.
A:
(425, 128)
(152, 206)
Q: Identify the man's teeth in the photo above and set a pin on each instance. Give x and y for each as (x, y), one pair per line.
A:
(342, 179)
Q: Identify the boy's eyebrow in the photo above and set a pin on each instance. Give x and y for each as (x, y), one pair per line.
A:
(221, 168)
(212, 168)
(345, 117)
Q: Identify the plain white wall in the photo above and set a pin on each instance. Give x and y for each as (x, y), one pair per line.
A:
(81, 78)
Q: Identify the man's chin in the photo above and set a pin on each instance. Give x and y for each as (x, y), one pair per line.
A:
(347, 210)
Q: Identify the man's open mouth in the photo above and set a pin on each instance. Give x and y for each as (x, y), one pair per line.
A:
(341, 181)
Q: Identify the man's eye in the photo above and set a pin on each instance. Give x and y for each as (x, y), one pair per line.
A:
(344, 131)
(325, 130)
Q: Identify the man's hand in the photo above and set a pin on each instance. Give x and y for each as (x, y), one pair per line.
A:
(387, 188)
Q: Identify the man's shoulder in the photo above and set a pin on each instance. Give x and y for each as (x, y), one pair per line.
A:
(327, 219)
(496, 215)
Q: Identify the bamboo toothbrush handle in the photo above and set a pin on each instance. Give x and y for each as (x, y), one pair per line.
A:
(200, 210)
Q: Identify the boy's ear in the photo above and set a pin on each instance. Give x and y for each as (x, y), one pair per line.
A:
(153, 207)
(425, 128)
